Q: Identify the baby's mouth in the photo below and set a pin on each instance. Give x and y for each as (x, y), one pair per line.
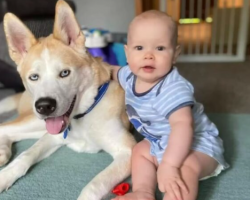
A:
(148, 68)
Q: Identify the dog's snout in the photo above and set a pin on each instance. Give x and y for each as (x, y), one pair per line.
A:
(45, 106)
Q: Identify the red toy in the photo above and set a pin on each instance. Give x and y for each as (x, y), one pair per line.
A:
(121, 189)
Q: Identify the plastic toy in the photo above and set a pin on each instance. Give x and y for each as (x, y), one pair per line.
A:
(121, 189)
(98, 43)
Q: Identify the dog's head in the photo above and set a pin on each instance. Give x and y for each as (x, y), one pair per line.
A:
(56, 70)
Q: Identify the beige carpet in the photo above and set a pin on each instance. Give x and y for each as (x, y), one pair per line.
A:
(221, 87)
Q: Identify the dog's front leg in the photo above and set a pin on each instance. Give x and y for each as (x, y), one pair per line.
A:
(116, 172)
(43, 148)
(104, 182)
(23, 127)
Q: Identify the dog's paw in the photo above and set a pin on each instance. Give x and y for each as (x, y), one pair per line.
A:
(5, 154)
(10, 174)
(88, 195)
(84, 197)
(90, 192)
(6, 180)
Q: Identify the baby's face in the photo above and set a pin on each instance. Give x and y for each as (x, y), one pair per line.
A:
(150, 50)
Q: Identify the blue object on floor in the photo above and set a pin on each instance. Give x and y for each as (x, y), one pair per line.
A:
(118, 49)
(106, 53)
(111, 57)
(97, 52)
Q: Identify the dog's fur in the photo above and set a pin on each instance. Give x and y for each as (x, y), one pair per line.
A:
(104, 128)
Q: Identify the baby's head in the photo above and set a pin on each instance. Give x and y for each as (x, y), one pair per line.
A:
(152, 45)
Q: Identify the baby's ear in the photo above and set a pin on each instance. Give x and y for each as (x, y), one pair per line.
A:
(125, 47)
(126, 51)
(176, 53)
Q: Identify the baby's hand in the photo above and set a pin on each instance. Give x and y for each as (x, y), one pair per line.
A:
(169, 181)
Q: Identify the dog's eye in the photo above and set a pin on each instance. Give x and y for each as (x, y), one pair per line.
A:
(33, 77)
(64, 73)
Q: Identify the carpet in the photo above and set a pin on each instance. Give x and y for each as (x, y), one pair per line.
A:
(63, 175)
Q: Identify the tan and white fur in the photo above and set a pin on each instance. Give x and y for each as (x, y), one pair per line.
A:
(104, 128)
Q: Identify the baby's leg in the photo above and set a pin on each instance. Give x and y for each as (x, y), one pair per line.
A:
(143, 174)
(196, 166)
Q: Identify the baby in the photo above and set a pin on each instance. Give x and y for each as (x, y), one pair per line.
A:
(181, 144)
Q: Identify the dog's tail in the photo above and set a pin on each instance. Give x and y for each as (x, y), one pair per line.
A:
(10, 103)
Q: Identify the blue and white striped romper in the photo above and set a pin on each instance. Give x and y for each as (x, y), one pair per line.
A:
(149, 113)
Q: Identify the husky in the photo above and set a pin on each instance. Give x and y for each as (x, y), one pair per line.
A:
(69, 100)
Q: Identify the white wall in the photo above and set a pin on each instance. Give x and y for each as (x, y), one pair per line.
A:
(113, 15)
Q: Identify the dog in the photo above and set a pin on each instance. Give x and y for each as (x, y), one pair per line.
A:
(69, 100)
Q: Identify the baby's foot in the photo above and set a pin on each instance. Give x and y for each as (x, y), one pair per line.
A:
(137, 195)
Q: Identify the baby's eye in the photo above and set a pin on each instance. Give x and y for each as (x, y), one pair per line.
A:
(161, 48)
(139, 48)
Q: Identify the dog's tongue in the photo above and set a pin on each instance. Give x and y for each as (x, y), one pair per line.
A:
(54, 125)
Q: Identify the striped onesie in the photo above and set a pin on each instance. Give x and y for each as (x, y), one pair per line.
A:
(149, 113)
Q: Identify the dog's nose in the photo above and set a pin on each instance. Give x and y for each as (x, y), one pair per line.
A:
(45, 106)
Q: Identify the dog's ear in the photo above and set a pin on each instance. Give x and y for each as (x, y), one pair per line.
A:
(19, 37)
(66, 28)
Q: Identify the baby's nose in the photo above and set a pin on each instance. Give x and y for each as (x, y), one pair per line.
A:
(149, 56)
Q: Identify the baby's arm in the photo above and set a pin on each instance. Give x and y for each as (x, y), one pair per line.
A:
(115, 70)
(180, 139)
(179, 143)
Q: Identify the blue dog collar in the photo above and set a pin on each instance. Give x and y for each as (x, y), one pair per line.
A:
(101, 92)
(65, 133)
